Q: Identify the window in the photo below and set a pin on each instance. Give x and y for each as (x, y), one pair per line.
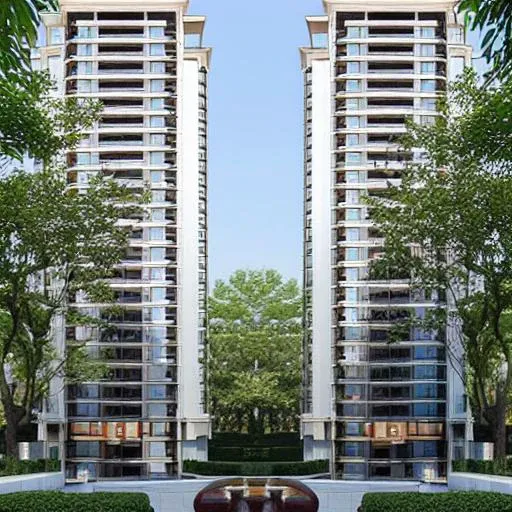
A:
(83, 159)
(353, 50)
(428, 85)
(353, 32)
(353, 67)
(84, 50)
(351, 294)
(427, 120)
(157, 273)
(352, 177)
(86, 32)
(354, 104)
(352, 333)
(157, 67)
(157, 253)
(353, 139)
(84, 85)
(353, 158)
(353, 122)
(156, 234)
(85, 68)
(157, 122)
(56, 35)
(156, 158)
(157, 214)
(158, 196)
(456, 35)
(352, 234)
(157, 85)
(352, 214)
(352, 196)
(353, 85)
(157, 176)
(425, 372)
(352, 274)
(157, 104)
(158, 294)
(158, 314)
(429, 409)
(157, 49)
(159, 430)
(156, 32)
(352, 254)
(428, 103)
(428, 32)
(428, 68)
(427, 50)
(157, 139)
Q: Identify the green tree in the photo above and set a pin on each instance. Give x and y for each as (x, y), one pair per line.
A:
(493, 18)
(448, 226)
(54, 243)
(255, 338)
(34, 122)
(19, 22)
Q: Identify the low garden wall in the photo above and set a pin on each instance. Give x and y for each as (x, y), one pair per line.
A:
(33, 482)
(479, 482)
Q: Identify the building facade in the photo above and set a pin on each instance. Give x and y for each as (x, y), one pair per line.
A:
(145, 62)
(376, 410)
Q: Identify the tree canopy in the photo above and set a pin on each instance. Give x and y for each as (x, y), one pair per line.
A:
(255, 352)
(448, 225)
(493, 18)
(19, 22)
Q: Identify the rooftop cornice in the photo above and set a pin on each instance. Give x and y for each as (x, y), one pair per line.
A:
(389, 5)
(127, 5)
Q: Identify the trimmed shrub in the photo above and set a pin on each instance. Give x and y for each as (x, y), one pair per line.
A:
(11, 466)
(501, 467)
(256, 453)
(56, 501)
(237, 439)
(436, 502)
(214, 468)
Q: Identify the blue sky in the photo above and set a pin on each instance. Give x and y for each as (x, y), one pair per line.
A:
(255, 133)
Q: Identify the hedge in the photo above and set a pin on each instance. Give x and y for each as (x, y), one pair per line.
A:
(237, 439)
(256, 453)
(501, 467)
(11, 466)
(436, 502)
(214, 468)
(56, 501)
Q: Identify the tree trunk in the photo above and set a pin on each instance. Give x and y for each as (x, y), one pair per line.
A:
(499, 426)
(12, 419)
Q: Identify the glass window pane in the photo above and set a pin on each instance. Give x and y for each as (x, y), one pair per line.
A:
(428, 85)
(56, 35)
(157, 49)
(156, 32)
(353, 67)
(157, 122)
(353, 49)
(157, 85)
(157, 67)
(157, 139)
(157, 253)
(428, 50)
(353, 85)
(157, 158)
(157, 104)
(353, 122)
(428, 67)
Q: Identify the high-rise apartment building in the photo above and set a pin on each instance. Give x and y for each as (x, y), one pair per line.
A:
(145, 62)
(375, 409)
